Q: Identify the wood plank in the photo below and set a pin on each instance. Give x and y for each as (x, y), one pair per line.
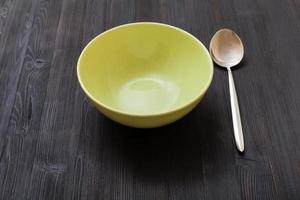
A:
(11, 65)
(64, 100)
(16, 39)
(52, 157)
(24, 123)
(7, 14)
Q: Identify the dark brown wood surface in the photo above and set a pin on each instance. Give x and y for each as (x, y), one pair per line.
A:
(55, 145)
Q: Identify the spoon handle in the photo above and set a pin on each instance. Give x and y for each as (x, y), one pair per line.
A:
(235, 111)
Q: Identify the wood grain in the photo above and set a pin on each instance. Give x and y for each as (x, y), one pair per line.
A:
(55, 145)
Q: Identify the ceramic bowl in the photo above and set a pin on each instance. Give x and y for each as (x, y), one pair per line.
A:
(145, 74)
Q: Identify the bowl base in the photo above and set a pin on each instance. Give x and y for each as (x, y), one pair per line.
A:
(147, 95)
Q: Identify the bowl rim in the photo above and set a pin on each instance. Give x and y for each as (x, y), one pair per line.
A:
(177, 108)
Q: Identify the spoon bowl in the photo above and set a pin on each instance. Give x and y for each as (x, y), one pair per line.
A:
(226, 48)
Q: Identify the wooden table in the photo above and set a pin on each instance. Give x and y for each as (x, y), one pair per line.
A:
(55, 145)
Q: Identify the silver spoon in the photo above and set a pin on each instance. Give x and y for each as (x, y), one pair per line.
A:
(226, 49)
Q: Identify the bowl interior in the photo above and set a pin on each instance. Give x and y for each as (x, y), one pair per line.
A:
(144, 68)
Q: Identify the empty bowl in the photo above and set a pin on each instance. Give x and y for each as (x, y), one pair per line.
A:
(145, 74)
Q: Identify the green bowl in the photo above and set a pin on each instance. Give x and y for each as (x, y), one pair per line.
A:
(145, 74)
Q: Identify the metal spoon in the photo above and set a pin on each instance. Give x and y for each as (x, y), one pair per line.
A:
(226, 49)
